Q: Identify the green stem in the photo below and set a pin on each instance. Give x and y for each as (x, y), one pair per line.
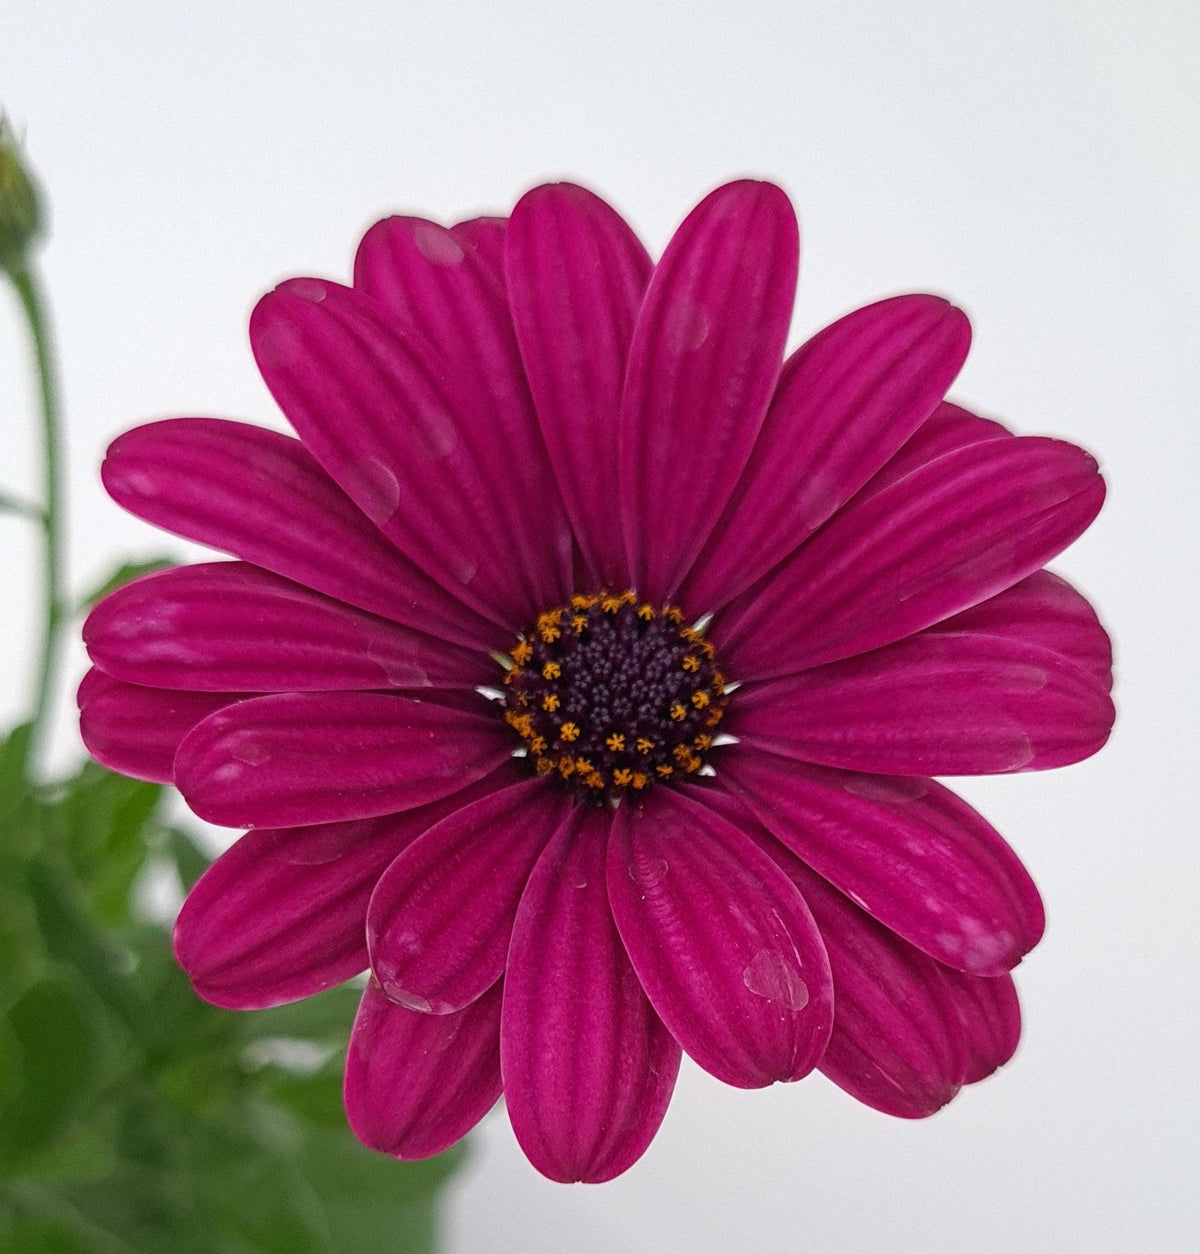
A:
(53, 608)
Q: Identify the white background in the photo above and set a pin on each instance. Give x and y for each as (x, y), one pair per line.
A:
(1037, 162)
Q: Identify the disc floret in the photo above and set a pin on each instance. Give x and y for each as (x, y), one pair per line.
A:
(612, 694)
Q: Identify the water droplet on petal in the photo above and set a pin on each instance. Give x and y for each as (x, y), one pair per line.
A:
(435, 243)
(772, 976)
(375, 488)
(647, 874)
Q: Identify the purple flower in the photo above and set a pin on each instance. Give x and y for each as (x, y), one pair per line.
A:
(584, 668)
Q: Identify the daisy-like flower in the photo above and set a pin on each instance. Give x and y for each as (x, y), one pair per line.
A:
(584, 668)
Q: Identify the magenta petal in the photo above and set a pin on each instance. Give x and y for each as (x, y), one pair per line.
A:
(721, 941)
(576, 275)
(262, 496)
(989, 1015)
(939, 703)
(443, 283)
(440, 919)
(948, 428)
(1043, 610)
(136, 730)
(281, 914)
(957, 530)
(293, 759)
(588, 1066)
(417, 1083)
(705, 357)
(896, 1044)
(445, 461)
(908, 851)
(229, 626)
(846, 401)
(485, 238)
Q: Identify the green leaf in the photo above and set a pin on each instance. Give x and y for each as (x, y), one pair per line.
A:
(326, 1018)
(14, 754)
(190, 860)
(102, 820)
(374, 1204)
(126, 573)
(316, 1098)
(55, 1034)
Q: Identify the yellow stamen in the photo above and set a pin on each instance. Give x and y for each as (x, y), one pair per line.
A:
(643, 745)
(551, 702)
(622, 777)
(522, 653)
(569, 731)
(551, 670)
(640, 779)
(616, 742)
(678, 712)
(690, 662)
(700, 699)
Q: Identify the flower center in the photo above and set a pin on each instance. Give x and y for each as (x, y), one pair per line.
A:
(613, 694)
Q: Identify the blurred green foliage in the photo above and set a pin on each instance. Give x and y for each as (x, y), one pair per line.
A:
(133, 1116)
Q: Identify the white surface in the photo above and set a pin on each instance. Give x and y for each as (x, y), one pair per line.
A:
(1036, 162)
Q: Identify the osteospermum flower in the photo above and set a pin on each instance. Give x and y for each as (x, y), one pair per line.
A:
(584, 669)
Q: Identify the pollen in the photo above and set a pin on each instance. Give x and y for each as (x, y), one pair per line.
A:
(610, 694)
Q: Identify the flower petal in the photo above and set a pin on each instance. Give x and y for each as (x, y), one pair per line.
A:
(939, 703)
(136, 730)
(950, 534)
(588, 1067)
(225, 626)
(1043, 610)
(990, 1017)
(439, 282)
(846, 401)
(908, 851)
(416, 1084)
(948, 428)
(445, 470)
(721, 941)
(441, 916)
(294, 759)
(705, 357)
(485, 237)
(282, 913)
(896, 1044)
(263, 497)
(576, 275)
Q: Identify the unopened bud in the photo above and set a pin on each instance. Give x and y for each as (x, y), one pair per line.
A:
(20, 206)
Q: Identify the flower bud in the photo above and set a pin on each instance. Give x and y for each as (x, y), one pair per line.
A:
(20, 206)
